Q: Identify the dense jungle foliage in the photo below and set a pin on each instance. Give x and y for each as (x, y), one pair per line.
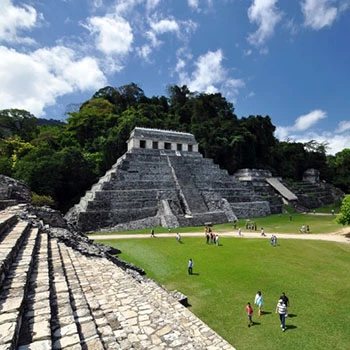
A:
(63, 159)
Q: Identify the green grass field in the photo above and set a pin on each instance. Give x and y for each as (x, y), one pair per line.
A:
(314, 275)
(278, 223)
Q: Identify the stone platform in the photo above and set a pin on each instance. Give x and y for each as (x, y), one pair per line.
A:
(59, 291)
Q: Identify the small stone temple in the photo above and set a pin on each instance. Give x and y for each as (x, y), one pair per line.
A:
(163, 180)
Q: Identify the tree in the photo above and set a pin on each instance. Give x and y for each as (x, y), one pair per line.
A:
(18, 122)
(344, 217)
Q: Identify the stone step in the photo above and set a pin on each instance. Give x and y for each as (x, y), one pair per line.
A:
(156, 183)
(10, 245)
(118, 204)
(64, 330)
(6, 221)
(126, 195)
(83, 311)
(14, 291)
(36, 328)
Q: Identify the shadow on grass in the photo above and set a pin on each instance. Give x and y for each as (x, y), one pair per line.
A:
(266, 313)
(291, 315)
(256, 324)
(194, 274)
(290, 327)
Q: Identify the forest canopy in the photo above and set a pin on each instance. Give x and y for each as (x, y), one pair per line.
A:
(63, 159)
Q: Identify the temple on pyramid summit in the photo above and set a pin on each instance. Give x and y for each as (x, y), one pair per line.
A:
(163, 180)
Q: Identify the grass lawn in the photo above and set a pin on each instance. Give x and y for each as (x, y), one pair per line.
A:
(314, 275)
(278, 223)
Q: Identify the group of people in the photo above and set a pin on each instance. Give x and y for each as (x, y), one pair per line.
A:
(281, 309)
(210, 236)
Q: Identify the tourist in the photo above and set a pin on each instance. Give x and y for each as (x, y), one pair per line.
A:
(259, 301)
(262, 232)
(217, 239)
(274, 240)
(190, 266)
(281, 310)
(332, 211)
(234, 224)
(207, 237)
(307, 228)
(239, 232)
(285, 299)
(303, 229)
(152, 233)
(249, 311)
(178, 237)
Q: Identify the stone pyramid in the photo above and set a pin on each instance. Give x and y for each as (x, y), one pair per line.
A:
(163, 180)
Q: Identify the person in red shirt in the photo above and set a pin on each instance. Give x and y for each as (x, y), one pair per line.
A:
(249, 311)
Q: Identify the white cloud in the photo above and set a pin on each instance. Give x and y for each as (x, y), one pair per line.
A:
(34, 81)
(194, 4)
(302, 123)
(164, 26)
(318, 13)
(266, 15)
(343, 126)
(306, 121)
(336, 141)
(209, 76)
(152, 4)
(113, 34)
(15, 19)
(144, 52)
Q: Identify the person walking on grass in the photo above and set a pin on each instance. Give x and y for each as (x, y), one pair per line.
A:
(190, 267)
(178, 237)
(249, 311)
(281, 310)
(259, 301)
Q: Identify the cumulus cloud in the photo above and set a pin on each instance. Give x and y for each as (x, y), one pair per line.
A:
(34, 81)
(209, 75)
(113, 34)
(15, 19)
(318, 13)
(266, 15)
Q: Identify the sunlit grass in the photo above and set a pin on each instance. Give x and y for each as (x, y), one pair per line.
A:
(314, 274)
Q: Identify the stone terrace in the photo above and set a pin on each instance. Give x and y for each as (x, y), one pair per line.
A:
(60, 291)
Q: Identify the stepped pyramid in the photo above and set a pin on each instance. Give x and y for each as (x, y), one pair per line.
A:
(162, 180)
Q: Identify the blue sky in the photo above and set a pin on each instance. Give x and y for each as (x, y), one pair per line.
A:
(283, 58)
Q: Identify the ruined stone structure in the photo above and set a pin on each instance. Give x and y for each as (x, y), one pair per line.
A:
(164, 180)
(58, 290)
(270, 188)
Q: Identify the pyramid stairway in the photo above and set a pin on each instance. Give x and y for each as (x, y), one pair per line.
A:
(54, 297)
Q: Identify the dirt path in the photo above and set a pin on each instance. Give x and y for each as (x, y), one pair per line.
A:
(338, 236)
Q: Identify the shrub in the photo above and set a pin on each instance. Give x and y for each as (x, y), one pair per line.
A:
(41, 200)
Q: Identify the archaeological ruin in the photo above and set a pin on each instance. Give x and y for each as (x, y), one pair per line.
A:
(163, 180)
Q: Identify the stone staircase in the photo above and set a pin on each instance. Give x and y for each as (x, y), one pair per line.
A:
(53, 296)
